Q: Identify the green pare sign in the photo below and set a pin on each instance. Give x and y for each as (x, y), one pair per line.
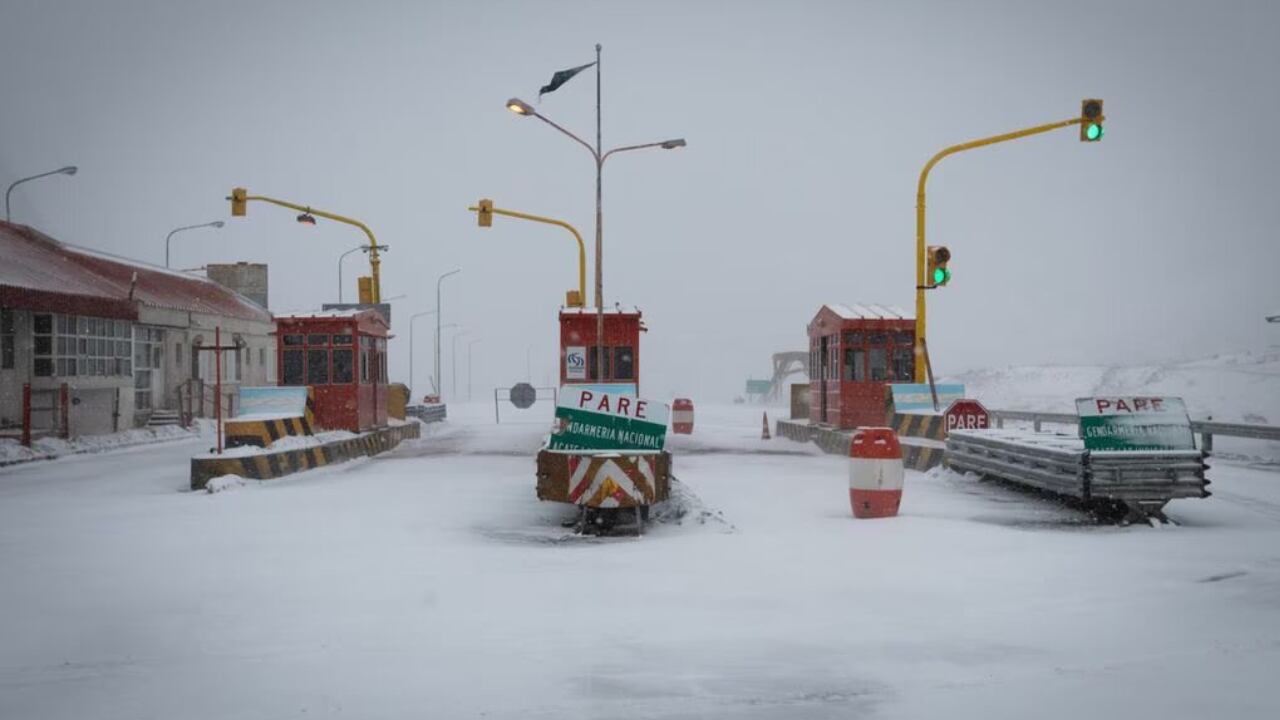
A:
(1118, 424)
(592, 420)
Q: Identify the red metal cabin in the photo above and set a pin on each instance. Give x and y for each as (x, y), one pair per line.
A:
(854, 353)
(622, 328)
(342, 354)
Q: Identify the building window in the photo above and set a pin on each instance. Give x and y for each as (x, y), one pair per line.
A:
(343, 366)
(293, 340)
(177, 353)
(855, 364)
(341, 339)
(293, 368)
(7, 336)
(879, 364)
(146, 360)
(903, 364)
(317, 366)
(262, 356)
(624, 360)
(366, 357)
(594, 352)
(73, 345)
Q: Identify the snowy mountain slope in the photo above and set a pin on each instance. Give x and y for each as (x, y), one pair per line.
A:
(1241, 387)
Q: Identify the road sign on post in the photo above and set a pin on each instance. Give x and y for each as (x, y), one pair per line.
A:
(594, 420)
(966, 414)
(523, 395)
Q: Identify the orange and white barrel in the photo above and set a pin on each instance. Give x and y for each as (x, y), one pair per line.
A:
(875, 473)
(682, 416)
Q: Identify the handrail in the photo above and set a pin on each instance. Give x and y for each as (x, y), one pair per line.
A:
(1207, 428)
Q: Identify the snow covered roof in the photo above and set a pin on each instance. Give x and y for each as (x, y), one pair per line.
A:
(868, 312)
(344, 313)
(46, 273)
(615, 310)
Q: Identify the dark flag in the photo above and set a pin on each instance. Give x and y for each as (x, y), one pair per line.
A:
(561, 78)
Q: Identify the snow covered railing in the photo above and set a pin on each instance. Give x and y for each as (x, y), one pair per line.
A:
(427, 413)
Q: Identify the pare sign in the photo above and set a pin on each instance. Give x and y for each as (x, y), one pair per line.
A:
(1133, 423)
(589, 419)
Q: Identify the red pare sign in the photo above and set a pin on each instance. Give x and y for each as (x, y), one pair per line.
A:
(965, 414)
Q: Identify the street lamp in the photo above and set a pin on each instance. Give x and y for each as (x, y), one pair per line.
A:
(68, 170)
(344, 255)
(469, 346)
(215, 225)
(524, 109)
(438, 381)
(453, 362)
(413, 317)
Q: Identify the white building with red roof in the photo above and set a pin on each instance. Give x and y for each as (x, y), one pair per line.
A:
(122, 335)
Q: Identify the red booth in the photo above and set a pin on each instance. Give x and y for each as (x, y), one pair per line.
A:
(854, 353)
(342, 354)
(622, 328)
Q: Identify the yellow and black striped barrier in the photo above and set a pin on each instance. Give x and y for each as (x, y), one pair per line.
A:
(270, 465)
(933, 427)
(918, 453)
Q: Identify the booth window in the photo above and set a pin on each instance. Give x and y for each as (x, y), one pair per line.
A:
(317, 366)
(879, 364)
(293, 368)
(903, 364)
(593, 352)
(365, 357)
(343, 366)
(855, 364)
(292, 339)
(317, 339)
(624, 363)
(6, 339)
(341, 339)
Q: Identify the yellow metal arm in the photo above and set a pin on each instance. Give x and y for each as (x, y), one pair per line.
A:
(375, 262)
(921, 280)
(582, 248)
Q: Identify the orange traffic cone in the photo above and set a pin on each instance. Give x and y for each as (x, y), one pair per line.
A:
(764, 432)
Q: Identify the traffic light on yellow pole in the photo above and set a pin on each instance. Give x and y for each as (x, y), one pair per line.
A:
(239, 199)
(937, 273)
(485, 214)
(1091, 118)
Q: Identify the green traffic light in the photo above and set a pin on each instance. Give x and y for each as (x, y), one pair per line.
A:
(941, 276)
(1094, 131)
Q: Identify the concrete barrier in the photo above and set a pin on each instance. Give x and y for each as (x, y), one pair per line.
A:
(918, 453)
(270, 465)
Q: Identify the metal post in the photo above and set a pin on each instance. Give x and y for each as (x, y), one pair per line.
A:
(217, 393)
(64, 403)
(342, 257)
(439, 383)
(26, 414)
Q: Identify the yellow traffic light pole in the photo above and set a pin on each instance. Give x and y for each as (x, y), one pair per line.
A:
(582, 248)
(239, 196)
(921, 279)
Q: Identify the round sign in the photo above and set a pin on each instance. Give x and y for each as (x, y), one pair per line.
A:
(965, 414)
(523, 395)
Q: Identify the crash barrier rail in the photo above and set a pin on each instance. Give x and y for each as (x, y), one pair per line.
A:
(1207, 429)
(1059, 463)
(427, 413)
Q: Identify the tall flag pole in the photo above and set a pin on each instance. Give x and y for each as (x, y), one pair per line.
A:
(600, 360)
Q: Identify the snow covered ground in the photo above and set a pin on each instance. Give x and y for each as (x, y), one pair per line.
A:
(429, 582)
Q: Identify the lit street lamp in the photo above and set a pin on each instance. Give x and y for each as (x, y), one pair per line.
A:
(524, 109)
(215, 225)
(413, 317)
(438, 382)
(68, 170)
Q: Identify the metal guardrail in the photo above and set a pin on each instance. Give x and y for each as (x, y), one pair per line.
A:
(1207, 429)
(427, 413)
(1060, 464)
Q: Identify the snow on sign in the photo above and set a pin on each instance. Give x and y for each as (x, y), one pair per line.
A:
(965, 414)
(594, 420)
(1134, 423)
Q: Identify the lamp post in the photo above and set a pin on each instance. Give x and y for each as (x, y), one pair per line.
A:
(438, 382)
(469, 346)
(453, 362)
(413, 317)
(524, 109)
(68, 170)
(344, 255)
(215, 225)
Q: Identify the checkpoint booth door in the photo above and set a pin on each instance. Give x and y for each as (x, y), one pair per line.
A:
(618, 370)
(855, 353)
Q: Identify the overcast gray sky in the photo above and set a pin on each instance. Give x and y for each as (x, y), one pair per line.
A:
(807, 122)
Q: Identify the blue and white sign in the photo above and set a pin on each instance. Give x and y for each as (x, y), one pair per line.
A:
(575, 362)
(917, 398)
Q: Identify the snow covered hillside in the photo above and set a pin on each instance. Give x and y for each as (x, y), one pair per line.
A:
(1242, 387)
